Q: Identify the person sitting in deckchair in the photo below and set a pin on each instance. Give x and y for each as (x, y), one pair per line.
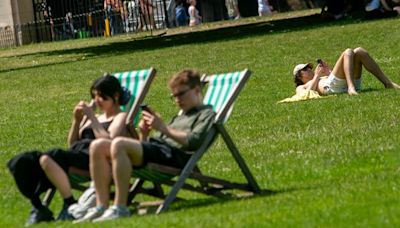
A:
(185, 132)
(345, 76)
(35, 172)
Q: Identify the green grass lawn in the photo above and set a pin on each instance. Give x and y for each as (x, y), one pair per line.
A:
(331, 162)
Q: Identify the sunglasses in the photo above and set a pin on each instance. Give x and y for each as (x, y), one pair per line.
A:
(180, 94)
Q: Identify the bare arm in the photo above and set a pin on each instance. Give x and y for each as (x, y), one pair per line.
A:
(73, 134)
(313, 83)
(116, 128)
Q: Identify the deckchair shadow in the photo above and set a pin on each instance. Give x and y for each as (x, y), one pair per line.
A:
(222, 91)
(138, 83)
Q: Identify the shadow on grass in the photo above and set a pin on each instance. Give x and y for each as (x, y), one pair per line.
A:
(183, 204)
(212, 35)
(369, 90)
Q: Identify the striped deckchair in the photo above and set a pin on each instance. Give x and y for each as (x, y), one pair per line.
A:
(138, 83)
(222, 91)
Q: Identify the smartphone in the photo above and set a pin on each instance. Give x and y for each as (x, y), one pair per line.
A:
(145, 107)
(92, 104)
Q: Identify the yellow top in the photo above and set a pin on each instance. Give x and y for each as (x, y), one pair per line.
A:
(306, 95)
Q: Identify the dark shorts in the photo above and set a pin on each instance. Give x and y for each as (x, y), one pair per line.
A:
(161, 153)
(67, 159)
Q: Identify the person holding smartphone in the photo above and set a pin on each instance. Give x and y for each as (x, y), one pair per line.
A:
(172, 145)
(53, 166)
(345, 77)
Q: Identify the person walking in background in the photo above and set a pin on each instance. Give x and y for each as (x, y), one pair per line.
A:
(147, 15)
(233, 9)
(180, 14)
(264, 8)
(68, 27)
(113, 11)
(48, 18)
(194, 16)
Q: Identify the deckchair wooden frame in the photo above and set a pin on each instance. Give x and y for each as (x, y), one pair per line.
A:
(208, 185)
(133, 111)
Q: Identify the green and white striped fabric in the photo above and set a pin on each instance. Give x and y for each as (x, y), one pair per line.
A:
(151, 175)
(220, 88)
(134, 82)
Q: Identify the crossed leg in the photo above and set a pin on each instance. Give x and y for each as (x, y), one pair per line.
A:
(56, 175)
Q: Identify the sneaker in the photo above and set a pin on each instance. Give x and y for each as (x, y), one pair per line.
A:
(114, 212)
(373, 5)
(39, 215)
(93, 213)
(65, 215)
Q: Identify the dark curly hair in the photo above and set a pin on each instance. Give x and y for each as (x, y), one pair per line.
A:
(108, 86)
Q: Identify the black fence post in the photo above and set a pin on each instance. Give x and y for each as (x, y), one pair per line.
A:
(166, 19)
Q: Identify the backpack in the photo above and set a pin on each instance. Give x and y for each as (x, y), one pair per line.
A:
(85, 202)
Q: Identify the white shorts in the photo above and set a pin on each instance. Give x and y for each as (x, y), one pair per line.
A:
(334, 84)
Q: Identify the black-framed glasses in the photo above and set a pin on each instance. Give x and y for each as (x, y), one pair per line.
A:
(180, 94)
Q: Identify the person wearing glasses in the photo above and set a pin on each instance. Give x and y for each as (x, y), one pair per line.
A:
(345, 76)
(171, 145)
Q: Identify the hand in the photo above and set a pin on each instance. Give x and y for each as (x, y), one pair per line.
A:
(87, 109)
(318, 70)
(154, 120)
(144, 128)
(352, 91)
(78, 112)
(82, 109)
(326, 70)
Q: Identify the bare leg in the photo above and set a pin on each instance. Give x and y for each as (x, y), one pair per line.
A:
(236, 8)
(344, 69)
(348, 65)
(100, 170)
(125, 152)
(369, 63)
(56, 175)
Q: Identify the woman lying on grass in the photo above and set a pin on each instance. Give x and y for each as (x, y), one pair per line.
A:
(345, 76)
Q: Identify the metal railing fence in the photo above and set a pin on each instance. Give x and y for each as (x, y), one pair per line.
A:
(54, 23)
